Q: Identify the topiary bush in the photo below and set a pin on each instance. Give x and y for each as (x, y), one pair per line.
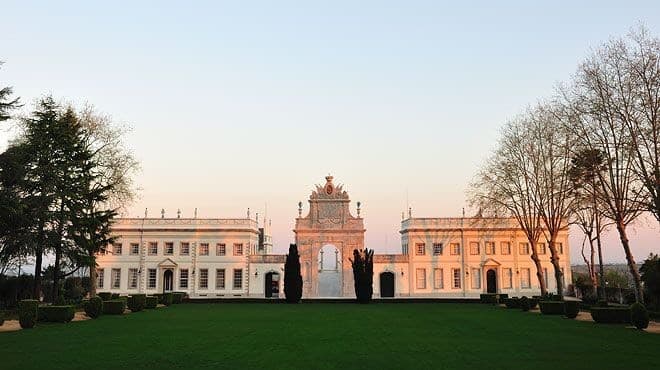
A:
(114, 307)
(151, 302)
(167, 299)
(94, 307)
(28, 313)
(533, 303)
(56, 313)
(177, 297)
(611, 315)
(523, 303)
(552, 307)
(105, 296)
(571, 309)
(136, 302)
(489, 298)
(639, 316)
(114, 296)
(512, 302)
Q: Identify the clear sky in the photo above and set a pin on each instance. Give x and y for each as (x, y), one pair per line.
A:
(243, 104)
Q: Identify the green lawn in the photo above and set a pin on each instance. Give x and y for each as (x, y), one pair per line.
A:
(346, 336)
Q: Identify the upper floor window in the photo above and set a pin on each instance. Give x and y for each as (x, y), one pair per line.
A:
(238, 249)
(524, 248)
(184, 249)
(437, 249)
(541, 248)
(455, 249)
(474, 247)
(135, 249)
(420, 249)
(220, 249)
(204, 249)
(505, 248)
(153, 248)
(116, 249)
(490, 247)
(169, 248)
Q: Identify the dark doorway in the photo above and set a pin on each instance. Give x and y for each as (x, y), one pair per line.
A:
(272, 285)
(387, 284)
(168, 281)
(491, 281)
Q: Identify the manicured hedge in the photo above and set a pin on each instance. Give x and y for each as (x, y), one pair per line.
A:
(611, 315)
(114, 296)
(488, 298)
(56, 313)
(105, 296)
(512, 302)
(94, 307)
(167, 299)
(523, 303)
(114, 307)
(571, 309)
(151, 302)
(639, 316)
(552, 307)
(27, 313)
(177, 297)
(533, 303)
(2, 318)
(136, 302)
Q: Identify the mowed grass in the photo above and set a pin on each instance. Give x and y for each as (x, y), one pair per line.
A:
(340, 336)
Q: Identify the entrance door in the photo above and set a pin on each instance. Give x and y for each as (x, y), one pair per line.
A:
(168, 281)
(387, 284)
(491, 281)
(272, 285)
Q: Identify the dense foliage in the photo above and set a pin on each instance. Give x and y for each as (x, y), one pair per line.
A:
(27, 313)
(552, 307)
(93, 307)
(136, 302)
(363, 274)
(151, 302)
(571, 309)
(650, 271)
(611, 315)
(56, 313)
(114, 307)
(293, 282)
(639, 316)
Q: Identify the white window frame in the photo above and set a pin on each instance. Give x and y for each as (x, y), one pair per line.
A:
(505, 248)
(169, 252)
(100, 276)
(438, 279)
(507, 278)
(184, 276)
(525, 278)
(238, 249)
(203, 278)
(420, 249)
(220, 279)
(237, 278)
(475, 251)
(221, 249)
(117, 249)
(115, 280)
(133, 251)
(153, 249)
(184, 249)
(489, 248)
(437, 249)
(475, 279)
(455, 249)
(152, 278)
(132, 278)
(203, 249)
(456, 278)
(420, 278)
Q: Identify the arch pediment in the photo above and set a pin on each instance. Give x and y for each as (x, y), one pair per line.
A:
(490, 262)
(167, 263)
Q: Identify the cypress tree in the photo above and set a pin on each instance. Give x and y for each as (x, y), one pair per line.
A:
(292, 277)
(363, 274)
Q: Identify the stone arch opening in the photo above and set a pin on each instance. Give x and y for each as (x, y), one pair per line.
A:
(329, 274)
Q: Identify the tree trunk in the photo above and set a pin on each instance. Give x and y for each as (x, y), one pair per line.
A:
(37, 273)
(601, 271)
(56, 272)
(554, 258)
(539, 269)
(92, 276)
(639, 292)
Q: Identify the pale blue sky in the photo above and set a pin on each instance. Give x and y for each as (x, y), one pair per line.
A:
(236, 105)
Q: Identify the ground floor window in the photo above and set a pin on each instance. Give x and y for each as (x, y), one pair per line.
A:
(456, 274)
(476, 279)
(100, 275)
(421, 278)
(132, 278)
(183, 279)
(203, 278)
(116, 278)
(525, 278)
(238, 279)
(507, 278)
(220, 279)
(151, 282)
(437, 279)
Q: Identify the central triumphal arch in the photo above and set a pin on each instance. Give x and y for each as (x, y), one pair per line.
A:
(326, 238)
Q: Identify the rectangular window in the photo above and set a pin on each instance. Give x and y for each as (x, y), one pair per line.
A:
(474, 247)
(204, 249)
(100, 275)
(220, 279)
(184, 249)
(116, 249)
(135, 249)
(238, 249)
(507, 278)
(238, 278)
(476, 279)
(203, 278)
(169, 248)
(438, 282)
(420, 249)
(421, 278)
(183, 279)
(153, 248)
(505, 248)
(116, 278)
(151, 281)
(455, 249)
(456, 277)
(132, 278)
(541, 248)
(437, 249)
(490, 247)
(220, 249)
(524, 248)
(525, 278)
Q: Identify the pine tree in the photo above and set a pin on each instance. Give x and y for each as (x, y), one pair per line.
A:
(292, 278)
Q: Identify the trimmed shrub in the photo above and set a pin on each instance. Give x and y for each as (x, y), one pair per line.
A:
(611, 315)
(114, 296)
(167, 299)
(523, 303)
(136, 302)
(639, 316)
(114, 307)
(94, 307)
(160, 297)
(490, 298)
(552, 307)
(2, 318)
(27, 313)
(533, 303)
(56, 313)
(177, 297)
(105, 296)
(151, 302)
(512, 302)
(571, 309)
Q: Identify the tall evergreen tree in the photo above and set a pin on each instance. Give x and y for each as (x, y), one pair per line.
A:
(7, 103)
(363, 274)
(293, 282)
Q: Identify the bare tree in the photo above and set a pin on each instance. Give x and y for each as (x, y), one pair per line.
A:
(505, 185)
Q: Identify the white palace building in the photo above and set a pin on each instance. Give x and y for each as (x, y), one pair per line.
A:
(233, 257)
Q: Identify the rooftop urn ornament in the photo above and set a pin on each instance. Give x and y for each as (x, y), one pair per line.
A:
(162, 213)
(409, 212)
(248, 213)
(145, 213)
(358, 208)
(178, 213)
(299, 209)
(195, 212)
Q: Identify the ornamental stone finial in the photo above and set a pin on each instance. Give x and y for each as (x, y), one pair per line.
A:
(162, 213)
(178, 213)
(299, 209)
